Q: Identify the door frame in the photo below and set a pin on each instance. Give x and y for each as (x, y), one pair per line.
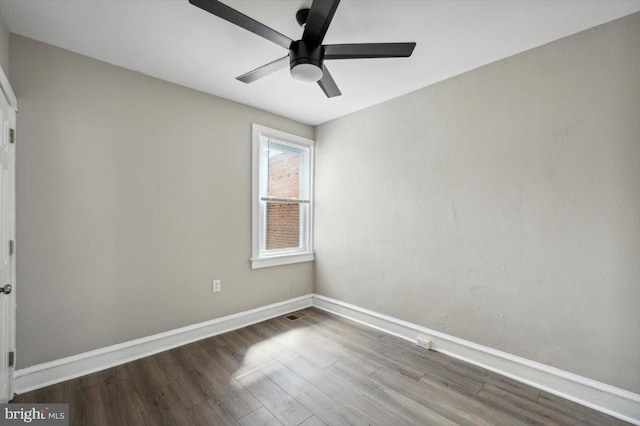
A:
(7, 90)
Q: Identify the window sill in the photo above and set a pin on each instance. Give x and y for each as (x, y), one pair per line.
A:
(265, 262)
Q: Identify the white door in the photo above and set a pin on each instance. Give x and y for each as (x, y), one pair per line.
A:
(7, 238)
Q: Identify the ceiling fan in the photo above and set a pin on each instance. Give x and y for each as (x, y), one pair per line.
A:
(306, 56)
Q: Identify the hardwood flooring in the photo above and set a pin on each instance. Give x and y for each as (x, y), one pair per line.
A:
(320, 369)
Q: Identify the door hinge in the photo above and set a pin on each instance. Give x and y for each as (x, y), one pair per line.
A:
(12, 136)
(12, 356)
(12, 247)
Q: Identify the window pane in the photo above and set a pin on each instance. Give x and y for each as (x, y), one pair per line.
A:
(283, 226)
(286, 177)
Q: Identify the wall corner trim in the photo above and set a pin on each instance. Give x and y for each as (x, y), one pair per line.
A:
(49, 373)
(608, 399)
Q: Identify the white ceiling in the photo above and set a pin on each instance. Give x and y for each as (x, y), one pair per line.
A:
(177, 42)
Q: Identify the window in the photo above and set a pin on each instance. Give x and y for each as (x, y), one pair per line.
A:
(282, 198)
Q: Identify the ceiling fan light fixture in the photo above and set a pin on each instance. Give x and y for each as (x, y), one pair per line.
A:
(306, 55)
(305, 62)
(309, 73)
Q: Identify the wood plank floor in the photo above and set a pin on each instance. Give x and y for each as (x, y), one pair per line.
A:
(320, 369)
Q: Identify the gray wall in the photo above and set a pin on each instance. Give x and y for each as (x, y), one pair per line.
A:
(501, 206)
(4, 46)
(132, 195)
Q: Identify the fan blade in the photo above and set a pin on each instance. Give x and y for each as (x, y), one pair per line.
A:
(264, 70)
(328, 85)
(318, 21)
(368, 50)
(231, 15)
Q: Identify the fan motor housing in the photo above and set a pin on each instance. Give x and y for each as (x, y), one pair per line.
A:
(306, 57)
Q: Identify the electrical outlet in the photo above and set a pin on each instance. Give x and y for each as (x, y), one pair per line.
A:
(423, 342)
(217, 285)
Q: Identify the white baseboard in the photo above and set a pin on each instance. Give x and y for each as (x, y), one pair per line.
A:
(57, 371)
(608, 399)
(616, 402)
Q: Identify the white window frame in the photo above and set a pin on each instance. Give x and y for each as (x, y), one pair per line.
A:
(260, 258)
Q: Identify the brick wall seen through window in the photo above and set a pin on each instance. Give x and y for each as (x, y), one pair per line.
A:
(283, 219)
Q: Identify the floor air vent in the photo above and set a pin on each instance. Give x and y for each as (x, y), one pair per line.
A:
(295, 316)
